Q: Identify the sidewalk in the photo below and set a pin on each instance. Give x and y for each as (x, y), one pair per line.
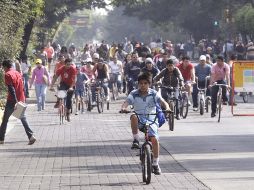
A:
(91, 152)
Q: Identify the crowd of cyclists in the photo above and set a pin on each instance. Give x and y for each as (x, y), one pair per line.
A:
(120, 64)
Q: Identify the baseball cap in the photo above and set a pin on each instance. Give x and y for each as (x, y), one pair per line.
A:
(88, 60)
(96, 56)
(38, 61)
(149, 60)
(202, 58)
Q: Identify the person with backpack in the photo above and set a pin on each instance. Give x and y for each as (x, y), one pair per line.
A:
(171, 76)
(144, 101)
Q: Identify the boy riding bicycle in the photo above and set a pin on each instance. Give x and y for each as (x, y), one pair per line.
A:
(144, 100)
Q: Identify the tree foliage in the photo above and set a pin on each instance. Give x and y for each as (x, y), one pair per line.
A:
(196, 17)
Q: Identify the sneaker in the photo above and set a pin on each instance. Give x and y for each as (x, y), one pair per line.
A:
(76, 113)
(1, 142)
(31, 140)
(135, 144)
(195, 109)
(225, 103)
(94, 103)
(157, 170)
(68, 117)
(189, 103)
(56, 105)
(213, 114)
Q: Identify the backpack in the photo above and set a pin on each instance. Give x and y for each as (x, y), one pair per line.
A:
(160, 115)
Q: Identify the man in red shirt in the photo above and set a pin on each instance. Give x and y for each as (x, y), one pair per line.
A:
(14, 82)
(188, 73)
(68, 75)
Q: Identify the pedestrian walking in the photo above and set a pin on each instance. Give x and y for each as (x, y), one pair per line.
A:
(14, 82)
(42, 80)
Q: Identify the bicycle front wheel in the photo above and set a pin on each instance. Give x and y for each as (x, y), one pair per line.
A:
(171, 117)
(146, 164)
(219, 101)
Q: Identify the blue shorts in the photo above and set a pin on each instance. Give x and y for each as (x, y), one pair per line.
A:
(79, 92)
(152, 130)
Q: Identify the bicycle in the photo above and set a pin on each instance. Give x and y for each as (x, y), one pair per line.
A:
(61, 95)
(114, 90)
(88, 97)
(183, 103)
(100, 96)
(219, 99)
(146, 153)
(171, 102)
(204, 101)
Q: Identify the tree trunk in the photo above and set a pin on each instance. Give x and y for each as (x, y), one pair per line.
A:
(26, 37)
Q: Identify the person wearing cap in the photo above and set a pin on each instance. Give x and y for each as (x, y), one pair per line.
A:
(101, 68)
(38, 75)
(14, 83)
(202, 72)
(88, 69)
(150, 68)
(96, 57)
(67, 82)
(171, 76)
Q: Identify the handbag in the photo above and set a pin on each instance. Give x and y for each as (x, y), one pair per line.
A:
(45, 78)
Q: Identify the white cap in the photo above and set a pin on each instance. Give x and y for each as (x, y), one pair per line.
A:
(96, 56)
(89, 59)
(149, 60)
(202, 57)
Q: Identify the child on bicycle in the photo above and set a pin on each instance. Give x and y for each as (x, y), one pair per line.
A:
(80, 89)
(144, 100)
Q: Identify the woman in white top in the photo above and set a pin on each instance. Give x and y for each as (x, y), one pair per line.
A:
(116, 70)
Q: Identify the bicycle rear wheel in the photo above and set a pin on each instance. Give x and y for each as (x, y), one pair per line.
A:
(184, 106)
(219, 106)
(146, 164)
(100, 100)
(201, 107)
(207, 103)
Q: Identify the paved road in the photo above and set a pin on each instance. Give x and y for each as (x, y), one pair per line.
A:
(91, 152)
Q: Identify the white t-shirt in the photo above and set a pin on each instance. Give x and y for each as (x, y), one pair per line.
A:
(25, 67)
(115, 67)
